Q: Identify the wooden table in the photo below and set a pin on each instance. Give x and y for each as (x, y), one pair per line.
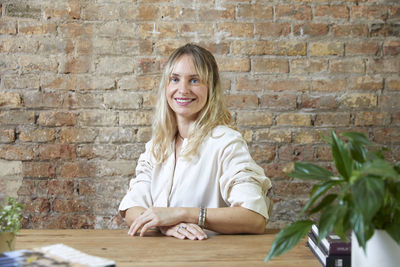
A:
(158, 250)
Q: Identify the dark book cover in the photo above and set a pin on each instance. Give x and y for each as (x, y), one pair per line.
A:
(328, 260)
(333, 244)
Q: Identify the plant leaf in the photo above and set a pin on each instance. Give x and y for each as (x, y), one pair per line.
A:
(357, 137)
(341, 156)
(380, 167)
(368, 195)
(328, 219)
(289, 237)
(361, 228)
(327, 200)
(309, 171)
(318, 190)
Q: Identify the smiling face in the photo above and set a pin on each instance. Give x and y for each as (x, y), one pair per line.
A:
(186, 92)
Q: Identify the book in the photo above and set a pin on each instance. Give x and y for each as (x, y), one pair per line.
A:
(327, 260)
(332, 243)
(53, 255)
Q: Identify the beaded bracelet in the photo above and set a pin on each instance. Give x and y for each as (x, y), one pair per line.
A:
(202, 217)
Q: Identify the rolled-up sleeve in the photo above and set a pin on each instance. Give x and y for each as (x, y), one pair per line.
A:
(243, 183)
(139, 192)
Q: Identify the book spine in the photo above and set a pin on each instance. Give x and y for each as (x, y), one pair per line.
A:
(328, 260)
(333, 248)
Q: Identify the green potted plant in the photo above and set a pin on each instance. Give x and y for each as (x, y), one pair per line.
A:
(362, 197)
(10, 224)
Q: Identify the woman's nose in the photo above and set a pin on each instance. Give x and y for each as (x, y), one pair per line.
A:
(183, 87)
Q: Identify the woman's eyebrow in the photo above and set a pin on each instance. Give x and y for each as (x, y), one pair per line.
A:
(190, 75)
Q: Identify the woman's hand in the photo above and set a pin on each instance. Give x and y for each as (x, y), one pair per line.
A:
(154, 217)
(184, 230)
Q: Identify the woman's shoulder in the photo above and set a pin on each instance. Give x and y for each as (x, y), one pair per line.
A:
(226, 133)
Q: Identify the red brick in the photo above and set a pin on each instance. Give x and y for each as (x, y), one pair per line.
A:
(73, 30)
(318, 102)
(308, 136)
(36, 27)
(17, 117)
(273, 135)
(295, 153)
(324, 85)
(323, 153)
(56, 151)
(17, 152)
(258, 84)
(332, 11)
(86, 187)
(10, 100)
(236, 29)
(37, 135)
(293, 119)
(83, 221)
(77, 169)
(162, 30)
(270, 65)
(332, 119)
(39, 169)
(359, 100)
(69, 205)
(393, 84)
(272, 29)
(177, 13)
(366, 83)
(51, 221)
(308, 66)
(57, 118)
(148, 66)
(262, 153)
(226, 13)
(8, 26)
(275, 170)
(59, 187)
(376, 12)
(311, 29)
(255, 11)
(7, 135)
(77, 135)
(391, 48)
(38, 205)
(81, 64)
(372, 118)
(361, 48)
(348, 65)
(326, 49)
(387, 135)
(389, 102)
(244, 47)
(350, 30)
(292, 188)
(279, 101)
(250, 118)
(300, 12)
(383, 65)
(27, 188)
(233, 64)
(241, 101)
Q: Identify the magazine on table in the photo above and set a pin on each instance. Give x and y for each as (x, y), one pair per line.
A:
(53, 255)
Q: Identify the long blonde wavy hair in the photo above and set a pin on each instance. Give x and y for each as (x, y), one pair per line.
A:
(214, 112)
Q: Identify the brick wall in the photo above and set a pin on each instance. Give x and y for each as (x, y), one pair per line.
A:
(78, 79)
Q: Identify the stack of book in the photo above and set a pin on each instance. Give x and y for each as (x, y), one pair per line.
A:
(331, 251)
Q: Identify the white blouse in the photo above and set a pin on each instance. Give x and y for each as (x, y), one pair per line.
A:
(223, 175)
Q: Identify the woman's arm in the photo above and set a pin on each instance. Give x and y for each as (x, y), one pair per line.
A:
(230, 220)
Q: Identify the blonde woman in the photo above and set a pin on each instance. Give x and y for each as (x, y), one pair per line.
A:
(196, 172)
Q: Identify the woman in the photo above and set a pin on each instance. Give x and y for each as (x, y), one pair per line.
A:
(196, 171)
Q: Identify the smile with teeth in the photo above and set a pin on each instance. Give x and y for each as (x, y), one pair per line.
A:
(184, 100)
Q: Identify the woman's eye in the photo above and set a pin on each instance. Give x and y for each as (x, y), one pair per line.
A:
(174, 79)
(195, 81)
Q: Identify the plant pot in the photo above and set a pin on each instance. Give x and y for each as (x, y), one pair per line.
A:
(381, 250)
(7, 241)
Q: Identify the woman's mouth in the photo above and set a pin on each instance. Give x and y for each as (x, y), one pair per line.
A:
(184, 101)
